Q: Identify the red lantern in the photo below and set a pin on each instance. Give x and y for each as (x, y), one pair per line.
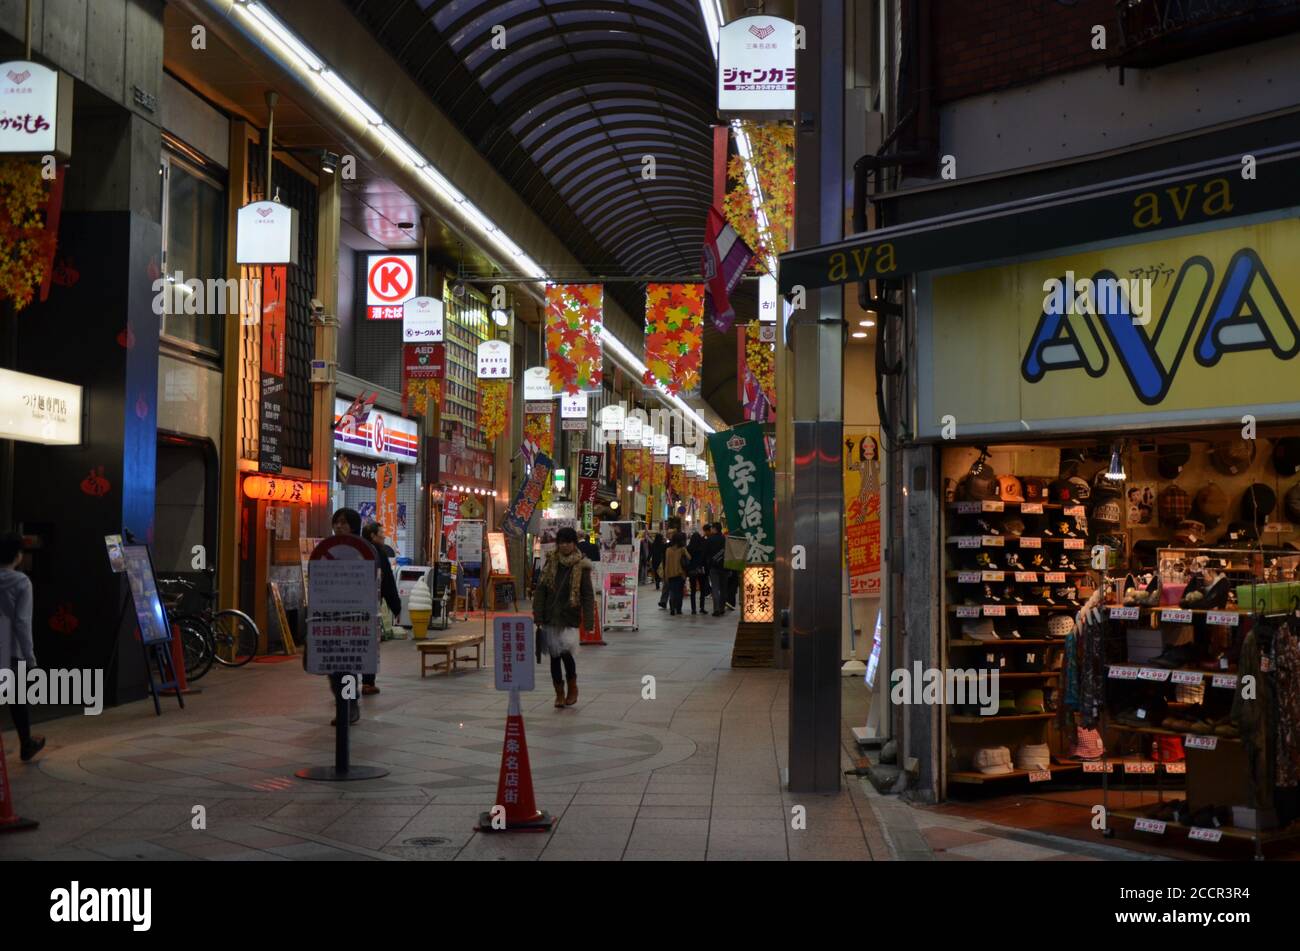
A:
(275, 489)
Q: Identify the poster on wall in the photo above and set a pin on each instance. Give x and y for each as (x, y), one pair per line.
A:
(617, 549)
(863, 475)
(497, 554)
(469, 541)
(275, 291)
(619, 593)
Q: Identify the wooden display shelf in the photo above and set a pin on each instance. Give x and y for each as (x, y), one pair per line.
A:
(997, 719)
(1006, 642)
(1161, 731)
(976, 778)
(1229, 832)
(1021, 675)
(1011, 608)
(1047, 506)
(952, 540)
(1172, 670)
(1024, 571)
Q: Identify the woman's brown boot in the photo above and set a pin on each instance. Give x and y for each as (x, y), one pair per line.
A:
(559, 693)
(572, 698)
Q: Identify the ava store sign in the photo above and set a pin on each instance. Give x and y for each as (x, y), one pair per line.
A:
(422, 320)
(35, 110)
(390, 283)
(494, 360)
(266, 232)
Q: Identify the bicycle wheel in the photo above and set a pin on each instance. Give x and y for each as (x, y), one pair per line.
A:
(195, 648)
(234, 635)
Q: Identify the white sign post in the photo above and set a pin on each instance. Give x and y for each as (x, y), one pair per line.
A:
(494, 360)
(537, 384)
(422, 320)
(513, 649)
(35, 110)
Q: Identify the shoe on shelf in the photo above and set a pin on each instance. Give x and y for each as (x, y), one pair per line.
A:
(31, 748)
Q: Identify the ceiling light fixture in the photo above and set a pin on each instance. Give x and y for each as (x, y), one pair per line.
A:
(866, 323)
(859, 334)
(1116, 471)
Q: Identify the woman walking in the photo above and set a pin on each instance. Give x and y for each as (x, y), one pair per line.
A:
(675, 561)
(563, 601)
(697, 569)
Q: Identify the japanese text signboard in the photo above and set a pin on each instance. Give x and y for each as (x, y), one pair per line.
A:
(343, 623)
(512, 647)
(862, 478)
(390, 283)
(756, 67)
(35, 110)
(588, 479)
(422, 320)
(525, 502)
(275, 292)
(747, 487)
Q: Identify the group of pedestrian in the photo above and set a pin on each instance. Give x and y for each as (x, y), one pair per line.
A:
(699, 562)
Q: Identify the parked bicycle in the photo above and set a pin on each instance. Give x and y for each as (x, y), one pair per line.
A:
(208, 636)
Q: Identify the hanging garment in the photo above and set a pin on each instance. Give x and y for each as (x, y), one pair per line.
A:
(1072, 672)
(1251, 716)
(1092, 680)
(1286, 661)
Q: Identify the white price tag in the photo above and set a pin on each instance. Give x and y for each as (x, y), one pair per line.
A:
(970, 577)
(993, 506)
(968, 508)
(1054, 577)
(1149, 825)
(1176, 768)
(1072, 510)
(1175, 616)
(1194, 742)
(992, 575)
(1205, 835)
(1074, 543)
(1139, 767)
(1153, 673)
(1186, 677)
(1119, 672)
(995, 610)
(1227, 681)
(1040, 775)
(968, 541)
(1031, 541)
(968, 610)
(1101, 766)
(1031, 508)
(1027, 576)
(1230, 618)
(1128, 613)
(993, 541)
(1027, 610)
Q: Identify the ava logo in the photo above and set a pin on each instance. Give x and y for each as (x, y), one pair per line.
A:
(1247, 313)
(762, 32)
(265, 212)
(378, 435)
(19, 78)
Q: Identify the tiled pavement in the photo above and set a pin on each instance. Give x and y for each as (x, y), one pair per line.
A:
(694, 773)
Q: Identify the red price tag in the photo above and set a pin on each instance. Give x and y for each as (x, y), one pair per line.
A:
(1229, 618)
(1072, 510)
(1101, 766)
(1175, 616)
(1227, 681)
(1139, 767)
(1040, 775)
(1118, 672)
(1054, 577)
(1150, 825)
(1153, 673)
(1186, 677)
(1175, 768)
(1027, 576)
(1124, 614)
(1074, 543)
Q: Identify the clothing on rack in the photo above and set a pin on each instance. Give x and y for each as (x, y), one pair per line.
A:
(1286, 661)
(1092, 679)
(1252, 715)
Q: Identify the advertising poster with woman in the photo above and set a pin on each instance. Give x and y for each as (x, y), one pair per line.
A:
(863, 475)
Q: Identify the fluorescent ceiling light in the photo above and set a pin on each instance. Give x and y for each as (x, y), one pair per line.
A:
(711, 10)
(274, 35)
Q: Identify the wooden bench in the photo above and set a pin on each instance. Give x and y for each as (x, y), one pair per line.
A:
(447, 646)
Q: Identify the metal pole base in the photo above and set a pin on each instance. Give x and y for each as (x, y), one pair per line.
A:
(539, 823)
(18, 825)
(334, 774)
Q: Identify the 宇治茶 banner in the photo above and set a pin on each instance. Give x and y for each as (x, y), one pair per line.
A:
(748, 488)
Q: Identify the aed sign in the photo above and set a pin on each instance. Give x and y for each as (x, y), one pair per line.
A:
(1197, 327)
(756, 74)
(35, 110)
(390, 283)
(266, 232)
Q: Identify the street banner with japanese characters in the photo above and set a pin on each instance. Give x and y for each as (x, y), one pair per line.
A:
(512, 645)
(343, 622)
(863, 473)
(748, 488)
(386, 497)
(275, 291)
(525, 502)
(588, 478)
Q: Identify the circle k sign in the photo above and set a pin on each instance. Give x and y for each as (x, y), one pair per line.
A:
(390, 279)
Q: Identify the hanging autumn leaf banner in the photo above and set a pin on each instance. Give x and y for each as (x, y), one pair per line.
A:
(757, 374)
(539, 436)
(674, 336)
(574, 320)
(494, 401)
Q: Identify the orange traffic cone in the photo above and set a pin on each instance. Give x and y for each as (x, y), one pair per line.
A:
(591, 637)
(9, 820)
(516, 810)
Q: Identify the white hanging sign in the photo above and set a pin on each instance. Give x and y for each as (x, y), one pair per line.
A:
(676, 455)
(422, 320)
(756, 67)
(35, 110)
(611, 418)
(573, 405)
(494, 360)
(537, 384)
(661, 444)
(266, 232)
(632, 427)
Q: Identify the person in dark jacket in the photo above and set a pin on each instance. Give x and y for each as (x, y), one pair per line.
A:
(564, 601)
(675, 562)
(697, 569)
(657, 549)
(714, 556)
(16, 635)
(374, 533)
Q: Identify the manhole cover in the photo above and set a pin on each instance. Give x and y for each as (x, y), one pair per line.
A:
(427, 841)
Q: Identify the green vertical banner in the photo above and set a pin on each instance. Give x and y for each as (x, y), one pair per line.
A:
(748, 488)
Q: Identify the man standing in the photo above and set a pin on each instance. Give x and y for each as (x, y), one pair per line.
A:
(715, 553)
(16, 635)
